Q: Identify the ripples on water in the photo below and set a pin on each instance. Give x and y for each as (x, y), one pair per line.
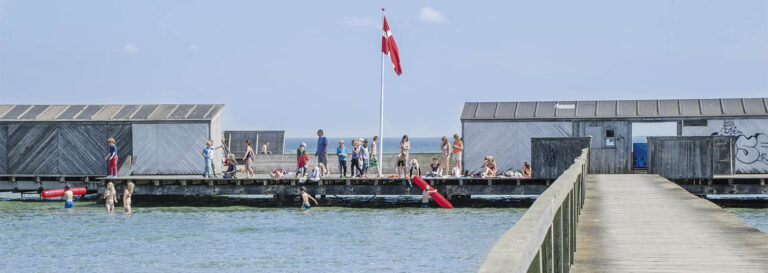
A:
(757, 218)
(38, 236)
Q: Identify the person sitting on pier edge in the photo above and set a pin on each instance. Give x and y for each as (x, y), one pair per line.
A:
(208, 157)
(303, 162)
(435, 166)
(111, 158)
(341, 153)
(414, 166)
(68, 197)
(305, 199)
(489, 167)
(231, 171)
(526, 171)
(425, 196)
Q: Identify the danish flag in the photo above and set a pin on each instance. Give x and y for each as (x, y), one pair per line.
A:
(389, 47)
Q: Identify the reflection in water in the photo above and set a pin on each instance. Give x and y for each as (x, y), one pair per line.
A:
(247, 239)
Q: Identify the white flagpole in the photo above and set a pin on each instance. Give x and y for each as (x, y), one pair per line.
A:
(381, 109)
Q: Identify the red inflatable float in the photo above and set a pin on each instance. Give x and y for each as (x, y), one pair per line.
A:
(435, 195)
(60, 192)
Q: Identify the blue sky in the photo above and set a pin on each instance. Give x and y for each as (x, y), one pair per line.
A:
(303, 65)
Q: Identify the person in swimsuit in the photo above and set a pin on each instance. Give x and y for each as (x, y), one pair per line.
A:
(249, 155)
(400, 166)
(374, 155)
(490, 167)
(526, 171)
(127, 194)
(425, 196)
(305, 199)
(68, 197)
(405, 147)
(110, 195)
(445, 150)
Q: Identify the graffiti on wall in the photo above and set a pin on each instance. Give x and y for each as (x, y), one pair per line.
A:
(750, 149)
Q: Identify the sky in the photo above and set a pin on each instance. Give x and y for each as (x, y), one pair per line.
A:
(303, 65)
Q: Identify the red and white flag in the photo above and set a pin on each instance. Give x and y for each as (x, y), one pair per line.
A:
(389, 47)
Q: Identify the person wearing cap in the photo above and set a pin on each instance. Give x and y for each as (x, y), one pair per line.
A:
(305, 199)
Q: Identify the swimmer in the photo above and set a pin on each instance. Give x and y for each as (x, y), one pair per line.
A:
(305, 198)
(110, 195)
(425, 196)
(127, 194)
(68, 196)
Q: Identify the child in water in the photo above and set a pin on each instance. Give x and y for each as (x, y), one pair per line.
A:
(127, 194)
(110, 195)
(68, 196)
(305, 199)
(425, 196)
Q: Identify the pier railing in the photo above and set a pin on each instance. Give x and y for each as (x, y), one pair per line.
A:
(544, 239)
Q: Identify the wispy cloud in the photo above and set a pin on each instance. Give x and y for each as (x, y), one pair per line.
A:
(130, 48)
(194, 47)
(358, 22)
(430, 15)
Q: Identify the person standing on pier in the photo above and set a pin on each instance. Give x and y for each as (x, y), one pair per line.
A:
(208, 157)
(364, 158)
(305, 199)
(127, 195)
(341, 153)
(111, 158)
(374, 155)
(405, 147)
(458, 147)
(322, 153)
(249, 155)
(68, 197)
(355, 165)
(303, 163)
(300, 151)
(445, 150)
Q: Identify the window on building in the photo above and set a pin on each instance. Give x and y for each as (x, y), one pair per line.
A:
(609, 133)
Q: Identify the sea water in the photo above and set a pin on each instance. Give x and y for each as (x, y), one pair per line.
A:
(40, 236)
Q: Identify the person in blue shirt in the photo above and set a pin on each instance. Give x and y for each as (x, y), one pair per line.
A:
(111, 158)
(341, 152)
(208, 156)
(322, 152)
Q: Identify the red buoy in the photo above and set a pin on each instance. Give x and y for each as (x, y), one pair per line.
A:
(60, 192)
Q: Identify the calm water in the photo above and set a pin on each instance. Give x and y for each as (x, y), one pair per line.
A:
(391, 145)
(38, 236)
(758, 218)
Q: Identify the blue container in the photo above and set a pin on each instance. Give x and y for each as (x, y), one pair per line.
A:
(640, 155)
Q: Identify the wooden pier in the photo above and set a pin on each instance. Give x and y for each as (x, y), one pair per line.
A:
(645, 223)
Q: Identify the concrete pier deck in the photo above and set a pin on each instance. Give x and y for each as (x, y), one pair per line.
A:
(645, 223)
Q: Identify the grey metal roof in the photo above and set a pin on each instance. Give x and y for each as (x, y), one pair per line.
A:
(638, 109)
(109, 112)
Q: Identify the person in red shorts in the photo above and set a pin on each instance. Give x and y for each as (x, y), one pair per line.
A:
(111, 158)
